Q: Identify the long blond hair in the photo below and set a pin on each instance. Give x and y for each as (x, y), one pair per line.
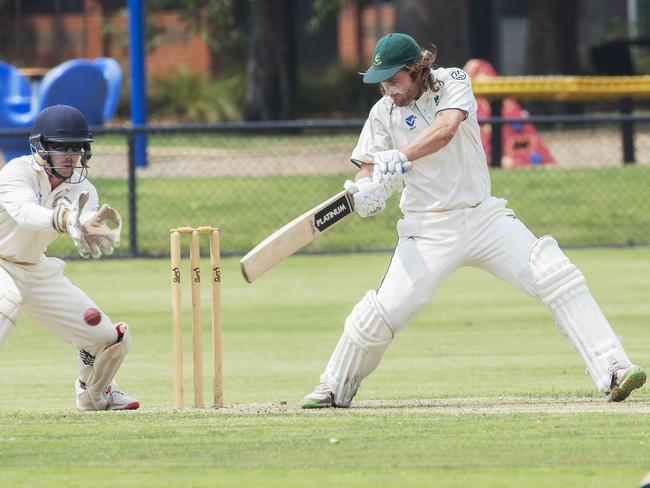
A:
(424, 68)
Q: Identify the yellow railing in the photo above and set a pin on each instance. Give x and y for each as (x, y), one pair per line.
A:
(563, 88)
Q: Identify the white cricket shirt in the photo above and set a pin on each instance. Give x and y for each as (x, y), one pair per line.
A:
(454, 177)
(26, 203)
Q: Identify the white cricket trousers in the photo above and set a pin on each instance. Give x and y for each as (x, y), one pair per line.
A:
(432, 246)
(54, 302)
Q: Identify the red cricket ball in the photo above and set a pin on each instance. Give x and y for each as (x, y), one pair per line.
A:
(92, 316)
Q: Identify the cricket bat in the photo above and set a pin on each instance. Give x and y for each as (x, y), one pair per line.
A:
(295, 235)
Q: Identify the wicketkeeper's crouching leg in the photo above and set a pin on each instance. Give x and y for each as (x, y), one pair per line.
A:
(10, 303)
(365, 337)
(562, 287)
(95, 386)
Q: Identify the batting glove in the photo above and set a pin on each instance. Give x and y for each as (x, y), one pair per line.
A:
(390, 162)
(369, 196)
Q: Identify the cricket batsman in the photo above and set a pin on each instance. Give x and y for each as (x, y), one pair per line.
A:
(426, 123)
(42, 195)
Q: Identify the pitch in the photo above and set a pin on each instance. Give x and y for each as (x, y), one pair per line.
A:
(479, 390)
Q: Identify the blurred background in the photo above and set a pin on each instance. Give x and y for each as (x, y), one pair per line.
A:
(218, 60)
(252, 108)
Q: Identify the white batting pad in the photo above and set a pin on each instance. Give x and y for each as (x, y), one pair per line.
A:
(98, 372)
(563, 288)
(365, 338)
(10, 303)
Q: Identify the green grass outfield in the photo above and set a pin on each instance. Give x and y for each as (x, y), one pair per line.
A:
(480, 390)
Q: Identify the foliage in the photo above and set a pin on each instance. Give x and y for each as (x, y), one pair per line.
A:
(321, 10)
(215, 20)
(619, 30)
(218, 21)
(339, 92)
(187, 97)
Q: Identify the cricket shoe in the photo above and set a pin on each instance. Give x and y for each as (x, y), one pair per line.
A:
(112, 399)
(321, 397)
(624, 382)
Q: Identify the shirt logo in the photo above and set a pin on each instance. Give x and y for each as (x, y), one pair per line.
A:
(458, 74)
(436, 99)
(39, 197)
(410, 121)
(377, 59)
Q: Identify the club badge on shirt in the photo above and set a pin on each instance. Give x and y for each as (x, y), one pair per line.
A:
(410, 121)
(458, 74)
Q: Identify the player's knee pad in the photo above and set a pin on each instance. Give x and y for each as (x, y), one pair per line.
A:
(97, 372)
(10, 303)
(365, 337)
(563, 289)
(556, 277)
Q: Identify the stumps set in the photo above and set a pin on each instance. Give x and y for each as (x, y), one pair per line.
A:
(215, 280)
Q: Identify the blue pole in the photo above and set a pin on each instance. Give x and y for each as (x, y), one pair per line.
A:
(138, 86)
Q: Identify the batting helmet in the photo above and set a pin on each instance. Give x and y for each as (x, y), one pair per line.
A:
(62, 125)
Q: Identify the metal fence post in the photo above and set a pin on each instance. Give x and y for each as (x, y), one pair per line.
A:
(133, 215)
(497, 128)
(627, 132)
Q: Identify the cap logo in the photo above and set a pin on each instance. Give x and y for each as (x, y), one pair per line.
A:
(377, 61)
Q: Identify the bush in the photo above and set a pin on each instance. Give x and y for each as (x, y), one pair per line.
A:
(187, 97)
(339, 92)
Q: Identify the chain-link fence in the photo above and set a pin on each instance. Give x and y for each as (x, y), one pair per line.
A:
(250, 179)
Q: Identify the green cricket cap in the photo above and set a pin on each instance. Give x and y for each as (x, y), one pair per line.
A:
(392, 53)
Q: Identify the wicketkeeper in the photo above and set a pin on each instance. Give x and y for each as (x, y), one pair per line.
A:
(427, 119)
(41, 196)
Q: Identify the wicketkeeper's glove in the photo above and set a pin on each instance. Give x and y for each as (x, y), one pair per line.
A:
(92, 237)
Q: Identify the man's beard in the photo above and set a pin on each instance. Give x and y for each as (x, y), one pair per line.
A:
(409, 97)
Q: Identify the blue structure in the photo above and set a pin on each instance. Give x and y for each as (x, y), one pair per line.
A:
(112, 72)
(14, 88)
(79, 82)
(138, 96)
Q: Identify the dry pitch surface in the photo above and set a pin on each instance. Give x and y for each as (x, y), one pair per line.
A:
(445, 406)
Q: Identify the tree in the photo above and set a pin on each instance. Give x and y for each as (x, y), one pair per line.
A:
(444, 23)
(271, 61)
(268, 30)
(552, 37)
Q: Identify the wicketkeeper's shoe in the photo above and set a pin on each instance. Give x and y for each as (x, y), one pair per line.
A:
(112, 399)
(624, 382)
(118, 400)
(321, 397)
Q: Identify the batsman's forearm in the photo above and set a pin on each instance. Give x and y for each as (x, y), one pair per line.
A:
(365, 171)
(430, 140)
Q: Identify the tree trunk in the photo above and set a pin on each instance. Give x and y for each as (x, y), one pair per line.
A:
(552, 38)
(444, 23)
(271, 63)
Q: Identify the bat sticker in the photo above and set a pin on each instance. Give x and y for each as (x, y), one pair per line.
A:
(334, 212)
